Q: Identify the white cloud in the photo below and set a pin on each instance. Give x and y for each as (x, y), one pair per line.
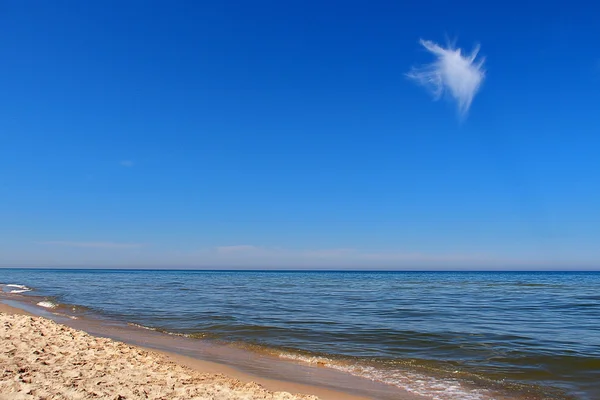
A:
(103, 245)
(127, 163)
(454, 73)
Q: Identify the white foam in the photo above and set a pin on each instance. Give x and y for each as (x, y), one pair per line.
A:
(22, 287)
(47, 304)
(430, 387)
(17, 288)
(157, 330)
(141, 326)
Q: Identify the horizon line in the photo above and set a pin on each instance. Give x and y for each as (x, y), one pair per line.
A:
(230, 269)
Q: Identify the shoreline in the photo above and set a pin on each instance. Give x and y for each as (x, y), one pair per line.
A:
(216, 375)
(147, 342)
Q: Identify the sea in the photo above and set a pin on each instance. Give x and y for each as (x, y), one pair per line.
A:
(440, 335)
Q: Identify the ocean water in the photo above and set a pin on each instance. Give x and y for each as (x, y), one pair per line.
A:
(444, 335)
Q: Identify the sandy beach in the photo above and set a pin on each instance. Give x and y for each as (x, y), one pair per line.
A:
(43, 359)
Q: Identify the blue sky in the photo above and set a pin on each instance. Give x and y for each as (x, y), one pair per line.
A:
(288, 134)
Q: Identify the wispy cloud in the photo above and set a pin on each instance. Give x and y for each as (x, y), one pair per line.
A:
(343, 256)
(242, 248)
(127, 163)
(457, 74)
(329, 253)
(102, 245)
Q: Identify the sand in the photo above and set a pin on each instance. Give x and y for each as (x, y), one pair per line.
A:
(42, 359)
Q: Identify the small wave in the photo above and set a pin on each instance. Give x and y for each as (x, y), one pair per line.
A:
(163, 331)
(434, 388)
(47, 304)
(18, 288)
(141, 326)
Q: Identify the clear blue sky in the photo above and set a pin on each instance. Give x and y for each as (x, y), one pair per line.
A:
(286, 134)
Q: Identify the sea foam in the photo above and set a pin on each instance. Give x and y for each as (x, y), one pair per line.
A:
(434, 388)
(18, 288)
(47, 304)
